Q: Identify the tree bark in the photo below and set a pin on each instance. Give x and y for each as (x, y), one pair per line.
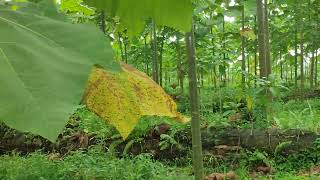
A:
(180, 73)
(194, 107)
(126, 49)
(267, 38)
(261, 40)
(146, 55)
(316, 70)
(291, 73)
(301, 62)
(161, 59)
(223, 77)
(120, 44)
(312, 70)
(262, 139)
(102, 22)
(243, 64)
(255, 52)
(155, 63)
(214, 66)
(296, 60)
(281, 66)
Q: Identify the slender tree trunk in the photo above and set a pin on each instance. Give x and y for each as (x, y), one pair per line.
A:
(126, 49)
(160, 58)
(194, 103)
(312, 70)
(301, 62)
(146, 54)
(296, 60)
(267, 38)
(316, 70)
(281, 70)
(243, 64)
(120, 44)
(214, 66)
(202, 77)
(169, 77)
(287, 71)
(166, 77)
(306, 72)
(248, 69)
(291, 73)
(102, 22)
(224, 76)
(215, 75)
(180, 74)
(255, 52)
(148, 72)
(261, 40)
(155, 63)
(281, 66)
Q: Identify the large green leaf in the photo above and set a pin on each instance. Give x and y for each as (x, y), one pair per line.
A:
(44, 65)
(233, 11)
(133, 13)
(75, 6)
(250, 7)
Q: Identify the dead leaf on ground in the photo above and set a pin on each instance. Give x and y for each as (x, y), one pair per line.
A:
(222, 176)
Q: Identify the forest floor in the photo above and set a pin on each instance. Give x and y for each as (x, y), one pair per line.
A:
(160, 149)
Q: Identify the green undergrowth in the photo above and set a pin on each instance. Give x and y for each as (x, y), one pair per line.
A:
(302, 115)
(94, 164)
(97, 164)
(91, 123)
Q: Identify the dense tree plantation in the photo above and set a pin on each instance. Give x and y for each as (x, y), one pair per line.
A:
(159, 89)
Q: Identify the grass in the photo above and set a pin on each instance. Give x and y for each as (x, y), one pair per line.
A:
(91, 123)
(302, 115)
(94, 164)
(97, 164)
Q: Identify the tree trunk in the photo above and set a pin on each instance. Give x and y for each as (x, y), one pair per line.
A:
(126, 49)
(202, 77)
(312, 70)
(316, 70)
(261, 40)
(296, 60)
(160, 59)
(286, 71)
(223, 76)
(180, 74)
(243, 64)
(281, 66)
(194, 107)
(120, 45)
(281, 70)
(102, 22)
(267, 44)
(291, 73)
(301, 62)
(155, 63)
(146, 55)
(166, 77)
(214, 66)
(255, 52)
(262, 139)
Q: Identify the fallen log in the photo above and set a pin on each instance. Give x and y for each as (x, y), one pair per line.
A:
(262, 139)
(214, 140)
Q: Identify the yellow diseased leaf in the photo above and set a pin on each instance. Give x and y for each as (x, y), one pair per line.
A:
(248, 33)
(250, 103)
(123, 98)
